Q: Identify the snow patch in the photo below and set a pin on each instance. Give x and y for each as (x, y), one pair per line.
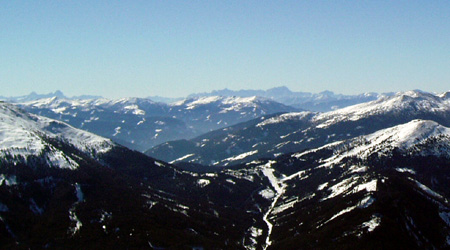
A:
(8, 180)
(357, 169)
(370, 186)
(241, 156)
(182, 158)
(285, 117)
(372, 224)
(405, 170)
(74, 219)
(230, 181)
(203, 182)
(322, 186)
(267, 193)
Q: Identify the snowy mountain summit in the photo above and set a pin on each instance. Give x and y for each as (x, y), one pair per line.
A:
(23, 135)
(402, 103)
(411, 134)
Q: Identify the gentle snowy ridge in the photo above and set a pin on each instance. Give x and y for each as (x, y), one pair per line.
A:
(23, 134)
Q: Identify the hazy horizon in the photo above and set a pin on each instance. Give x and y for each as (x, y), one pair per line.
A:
(174, 48)
(217, 90)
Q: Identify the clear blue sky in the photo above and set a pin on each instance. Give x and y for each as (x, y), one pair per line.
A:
(174, 48)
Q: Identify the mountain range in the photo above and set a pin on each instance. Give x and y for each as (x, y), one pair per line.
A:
(61, 187)
(369, 176)
(140, 123)
(321, 102)
(269, 136)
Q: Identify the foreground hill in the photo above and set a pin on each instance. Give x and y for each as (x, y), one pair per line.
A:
(272, 135)
(141, 123)
(386, 190)
(61, 187)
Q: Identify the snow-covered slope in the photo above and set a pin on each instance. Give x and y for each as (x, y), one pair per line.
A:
(23, 134)
(420, 137)
(61, 187)
(290, 132)
(232, 103)
(390, 185)
(403, 103)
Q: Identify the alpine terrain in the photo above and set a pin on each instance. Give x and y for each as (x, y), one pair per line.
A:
(272, 135)
(370, 176)
(140, 123)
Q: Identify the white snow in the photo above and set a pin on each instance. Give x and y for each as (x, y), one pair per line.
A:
(341, 187)
(372, 224)
(370, 186)
(268, 172)
(74, 219)
(366, 202)
(322, 186)
(409, 101)
(279, 187)
(346, 210)
(409, 134)
(23, 134)
(267, 193)
(203, 182)
(202, 101)
(285, 117)
(404, 136)
(357, 169)
(8, 180)
(254, 234)
(117, 131)
(241, 156)
(230, 181)
(182, 158)
(134, 109)
(348, 186)
(284, 206)
(159, 164)
(405, 170)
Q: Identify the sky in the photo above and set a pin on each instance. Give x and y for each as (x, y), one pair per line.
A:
(175, 48)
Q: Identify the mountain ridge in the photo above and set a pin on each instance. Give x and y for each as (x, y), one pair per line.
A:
(140, 123)
(297, 131)
(380, 189)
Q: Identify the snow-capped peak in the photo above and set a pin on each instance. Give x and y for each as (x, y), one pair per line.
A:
(203, 100)
(410, 101)
(23, 134)
(225, 103)
(409, 134)
(404, 137)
